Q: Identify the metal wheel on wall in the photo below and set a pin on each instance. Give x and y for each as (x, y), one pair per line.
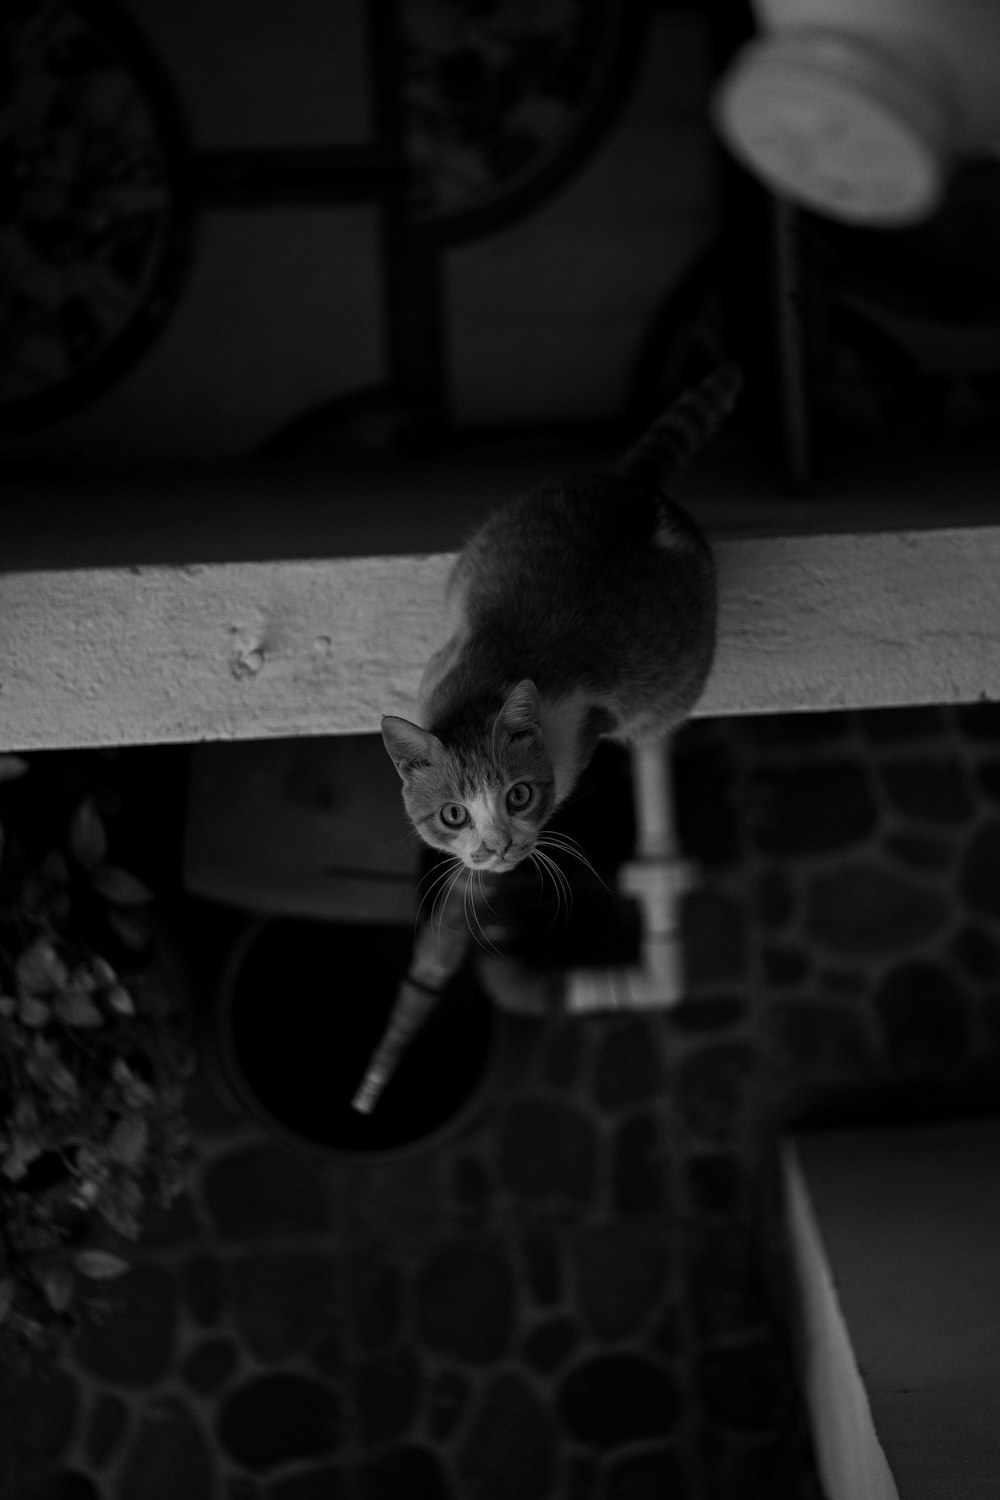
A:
(502, 102)
(96, 219)
(493, 107)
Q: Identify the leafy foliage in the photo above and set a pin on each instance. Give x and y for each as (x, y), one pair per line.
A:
(93, 1060)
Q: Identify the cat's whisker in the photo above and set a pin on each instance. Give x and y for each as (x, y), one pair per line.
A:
(546, 866)
(490, 944)
(573, 854)
(442, 898)
(475, 922)
(441, 903)
(436, 876)
(483, 890)
(559, 880)
(554, 836)
(565, 845)
(565, 842)
(436, 888)
(441, 891)
(566, 884)
(539, 870)
(548, 863)
(543, 866)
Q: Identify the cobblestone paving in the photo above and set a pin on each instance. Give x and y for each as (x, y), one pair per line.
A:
(580, 1295)
(545, 1306)
(872, 861)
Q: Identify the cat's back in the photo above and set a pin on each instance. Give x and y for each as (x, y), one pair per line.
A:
(569, 535)
(592, 586)
(580, 541)
(566, 537)
(597, 585)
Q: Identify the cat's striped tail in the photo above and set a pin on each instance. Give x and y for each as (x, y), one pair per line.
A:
(683, 429)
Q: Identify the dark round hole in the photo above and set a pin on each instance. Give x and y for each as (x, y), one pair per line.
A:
(304, 1006)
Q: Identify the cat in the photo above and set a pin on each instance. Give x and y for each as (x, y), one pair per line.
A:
(583, 609)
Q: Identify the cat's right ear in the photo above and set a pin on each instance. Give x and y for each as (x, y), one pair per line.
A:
(519, 714)
(409, 746)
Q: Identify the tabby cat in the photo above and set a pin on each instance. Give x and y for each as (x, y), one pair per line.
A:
(585, 608)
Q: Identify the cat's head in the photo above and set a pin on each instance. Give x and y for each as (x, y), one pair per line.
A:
(485, 797)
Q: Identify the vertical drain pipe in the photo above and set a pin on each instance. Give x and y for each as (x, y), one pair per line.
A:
(657, 878)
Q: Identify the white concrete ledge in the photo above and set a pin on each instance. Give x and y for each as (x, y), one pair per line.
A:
(137, 628)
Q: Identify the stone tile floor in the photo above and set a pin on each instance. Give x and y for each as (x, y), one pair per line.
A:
(575, 1296)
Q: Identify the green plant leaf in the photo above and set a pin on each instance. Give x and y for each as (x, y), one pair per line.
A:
(45, 1068)
(100, 1265)
(130, 928)
(120, 1000)
(58, 1287)
(34, 1012)
(129, 1140)
(76, 1008)
(135, 1091)
(103, 972)
(40, 970)
(83, 978)
(13, 1165)
(54, 869)
(119, 886)
(85, 1194)
(121, 1205)
(88, 840)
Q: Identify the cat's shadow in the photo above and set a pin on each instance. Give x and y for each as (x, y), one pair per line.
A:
(600, 814)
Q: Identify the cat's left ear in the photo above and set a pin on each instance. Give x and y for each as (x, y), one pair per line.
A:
(521, 710)
(409, 746)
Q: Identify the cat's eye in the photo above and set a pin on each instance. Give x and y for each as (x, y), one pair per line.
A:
(519, 796)
(454, 815)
